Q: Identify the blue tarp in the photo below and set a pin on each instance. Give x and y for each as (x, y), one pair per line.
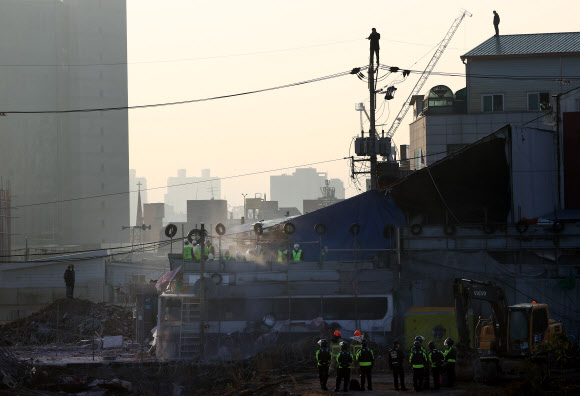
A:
(372, 210)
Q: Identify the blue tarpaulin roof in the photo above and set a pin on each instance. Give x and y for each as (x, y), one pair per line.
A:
(372, 210)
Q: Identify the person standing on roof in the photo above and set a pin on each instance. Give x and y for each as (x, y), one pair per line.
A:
(187, 250)
(374, 37)
(496, 22)
(69, 280)
(297, 254)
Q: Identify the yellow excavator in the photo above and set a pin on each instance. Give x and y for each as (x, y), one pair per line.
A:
(511, 333)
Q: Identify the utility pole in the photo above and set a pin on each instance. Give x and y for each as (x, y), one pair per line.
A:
(202, 294)
(372, 132)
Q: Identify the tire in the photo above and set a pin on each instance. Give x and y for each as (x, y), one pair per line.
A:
(354, 229)
(258, 229)
(220, 229)
(416, 229)
(195, 235)
(521, 226)
(170, 230)
(289, 228)
(320, 229)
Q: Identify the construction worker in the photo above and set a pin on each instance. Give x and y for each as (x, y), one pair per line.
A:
(323, 359)
(436, 359)
(197, 253)
(374, 37)
(420, 339)
(366, 359)
(282, 255)
(396, 358)
(187, 250)
(418, 359)
(226, 256)
(335, 348)
(450, 355)
(208, 249)
(496, 22)
(344, 361)
(69, 280)
(355, 346)
(297, 254)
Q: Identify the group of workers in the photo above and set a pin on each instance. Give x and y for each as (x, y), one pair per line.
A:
(340, 355)
(259, 254)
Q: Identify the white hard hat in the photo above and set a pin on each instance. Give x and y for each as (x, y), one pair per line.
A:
(296, 246)
(210, 256)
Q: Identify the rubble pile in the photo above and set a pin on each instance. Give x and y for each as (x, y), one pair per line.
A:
(68, 321)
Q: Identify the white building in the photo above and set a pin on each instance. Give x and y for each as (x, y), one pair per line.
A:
(304, 183)
(511, 79)
(63, 55)
(187, 188)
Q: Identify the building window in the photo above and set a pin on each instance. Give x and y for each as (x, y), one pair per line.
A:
(539, 101)
(491, 103)
(418, 159)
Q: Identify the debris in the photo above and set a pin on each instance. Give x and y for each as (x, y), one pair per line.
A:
(13, 372)
(68, 321)
(112, 342)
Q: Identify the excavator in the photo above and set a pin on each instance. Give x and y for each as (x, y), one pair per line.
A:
(511, 333)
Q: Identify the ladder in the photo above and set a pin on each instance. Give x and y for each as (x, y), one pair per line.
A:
(189, 332)
(427, 72)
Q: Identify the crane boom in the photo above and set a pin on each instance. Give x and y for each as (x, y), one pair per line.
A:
(427, 72)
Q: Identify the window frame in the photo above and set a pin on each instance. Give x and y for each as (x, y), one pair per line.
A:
(492, 102)
(539, 93)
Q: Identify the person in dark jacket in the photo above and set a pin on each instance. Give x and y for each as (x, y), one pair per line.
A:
(496, 23)
(450, 355)
(323, 360)
(374, 37)
(418, 360)
(344, 361)
(396, 358)
(436, 359)
(69, 280)
(366, 360)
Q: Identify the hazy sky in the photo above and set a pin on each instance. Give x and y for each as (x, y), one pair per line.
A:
(184, 49)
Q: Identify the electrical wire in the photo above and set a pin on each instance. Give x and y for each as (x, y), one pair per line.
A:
(180, 184)
(88, 110)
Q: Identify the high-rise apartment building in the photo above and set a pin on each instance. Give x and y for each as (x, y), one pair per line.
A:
(304, 183)
(65, 55)
(190, 188)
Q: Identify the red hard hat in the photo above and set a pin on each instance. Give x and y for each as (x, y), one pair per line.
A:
(337, 333)
(357, 333)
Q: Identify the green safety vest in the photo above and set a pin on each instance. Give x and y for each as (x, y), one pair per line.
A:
(297, 255)
(418, 365)
(451, 351)
(365, 363)
(187, 252)
(197, 254)
(282, 255)
(227, 257)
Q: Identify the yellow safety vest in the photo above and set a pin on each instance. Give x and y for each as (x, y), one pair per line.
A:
(297, 255)
(187, 252)
(282, 255)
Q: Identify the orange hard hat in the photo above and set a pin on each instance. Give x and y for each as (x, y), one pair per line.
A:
(337, 333)
(357, 333)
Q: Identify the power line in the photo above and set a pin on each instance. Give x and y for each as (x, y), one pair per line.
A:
(88, 110)
(180, 184)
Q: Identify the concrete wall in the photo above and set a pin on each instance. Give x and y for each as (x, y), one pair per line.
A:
(515, 91)
(52, 157)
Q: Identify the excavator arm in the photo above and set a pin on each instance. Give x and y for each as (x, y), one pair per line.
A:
(466, 290)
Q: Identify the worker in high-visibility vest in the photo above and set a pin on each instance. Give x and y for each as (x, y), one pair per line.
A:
(297, 254)
(197, 253)
(355, 346)
(187, 250)
(450, 355)
(335, 348)
(282, 255)
(366, 359)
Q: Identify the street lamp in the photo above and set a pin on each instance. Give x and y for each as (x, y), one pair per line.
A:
(244, 205)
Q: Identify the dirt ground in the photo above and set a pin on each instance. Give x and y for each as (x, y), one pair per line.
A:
(309, 385)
